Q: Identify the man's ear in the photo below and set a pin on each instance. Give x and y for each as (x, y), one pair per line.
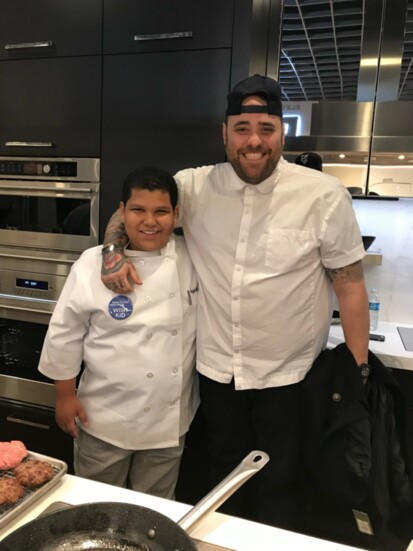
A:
(122, 212)
(224, 134)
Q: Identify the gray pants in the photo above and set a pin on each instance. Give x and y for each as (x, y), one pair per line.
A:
(152, 471)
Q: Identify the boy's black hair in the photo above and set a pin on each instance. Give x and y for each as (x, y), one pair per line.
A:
(151, 178)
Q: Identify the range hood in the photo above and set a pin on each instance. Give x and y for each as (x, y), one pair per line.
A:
(346, 69)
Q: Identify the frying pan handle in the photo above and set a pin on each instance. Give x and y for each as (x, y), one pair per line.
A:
(250, 465)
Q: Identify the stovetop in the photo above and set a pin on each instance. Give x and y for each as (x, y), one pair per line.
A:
(201, 545)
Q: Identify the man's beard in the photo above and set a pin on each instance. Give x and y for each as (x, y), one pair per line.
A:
(265, 172)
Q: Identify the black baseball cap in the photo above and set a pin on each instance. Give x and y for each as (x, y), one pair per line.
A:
(255, 85)
(310, 160)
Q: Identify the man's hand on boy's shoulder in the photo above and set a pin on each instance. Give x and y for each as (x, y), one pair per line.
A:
(118, 274)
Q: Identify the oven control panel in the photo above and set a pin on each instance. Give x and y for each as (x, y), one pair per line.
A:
(18, 167)
(25, 285)
(33, 287)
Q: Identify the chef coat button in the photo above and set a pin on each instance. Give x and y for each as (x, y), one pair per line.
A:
(149, 375)
(149, 336)
(148, 298)
(238, 269)
(141, 262)
(236, 351)
(171, 295)
(174, 332)
(242, 240)
(235, 298)
(175, 370)
(247, 211)
(166, 260)
(236, 324)
(337, 397)
(146, 409)
(172, 403)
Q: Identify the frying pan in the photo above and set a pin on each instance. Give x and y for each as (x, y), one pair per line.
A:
(109, 526)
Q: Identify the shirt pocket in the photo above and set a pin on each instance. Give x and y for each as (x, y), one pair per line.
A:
(289, 249)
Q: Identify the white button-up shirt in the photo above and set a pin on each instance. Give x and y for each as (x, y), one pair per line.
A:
(139, 349)
(265, 301)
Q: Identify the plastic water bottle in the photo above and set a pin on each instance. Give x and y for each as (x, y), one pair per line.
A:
(374, 307)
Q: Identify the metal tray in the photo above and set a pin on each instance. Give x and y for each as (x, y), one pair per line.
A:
(8, 512)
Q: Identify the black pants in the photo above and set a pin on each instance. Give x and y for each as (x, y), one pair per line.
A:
(239, 421)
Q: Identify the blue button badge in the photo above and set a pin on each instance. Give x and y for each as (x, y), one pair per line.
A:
(120, 307)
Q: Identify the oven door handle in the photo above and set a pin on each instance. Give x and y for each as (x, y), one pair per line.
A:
(29, 257)
(13, 419)
(34, 189)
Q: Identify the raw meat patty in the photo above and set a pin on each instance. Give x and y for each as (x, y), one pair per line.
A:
(11, 454)
(10, 491)
(33, 473)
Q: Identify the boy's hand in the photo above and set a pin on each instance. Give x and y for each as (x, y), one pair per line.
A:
(67, 409)
(118, 274)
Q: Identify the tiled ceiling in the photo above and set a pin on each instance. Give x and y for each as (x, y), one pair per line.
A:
(321, 50)
(406, 77)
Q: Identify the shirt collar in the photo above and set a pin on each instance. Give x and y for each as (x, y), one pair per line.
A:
(168, 250)
(267, 185)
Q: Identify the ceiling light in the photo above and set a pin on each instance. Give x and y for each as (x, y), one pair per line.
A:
(342, 156)
(373, 61)
(401, 157)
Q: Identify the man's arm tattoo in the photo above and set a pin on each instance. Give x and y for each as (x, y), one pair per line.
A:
(113, 262)
(352, 272)
(115, 232)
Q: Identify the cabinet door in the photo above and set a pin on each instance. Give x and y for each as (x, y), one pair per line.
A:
(163, 109)
(141, 26)
(37, 429)
(52, 102)
(50, 28)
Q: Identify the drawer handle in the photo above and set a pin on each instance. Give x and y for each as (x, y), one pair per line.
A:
(27, 45)
(13, 419)
(162, 36)
(28, 144)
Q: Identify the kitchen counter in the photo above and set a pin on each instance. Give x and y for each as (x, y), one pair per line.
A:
(218, 529)
(391, 352)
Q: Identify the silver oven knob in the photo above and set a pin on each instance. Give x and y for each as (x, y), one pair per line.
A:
(46, 169)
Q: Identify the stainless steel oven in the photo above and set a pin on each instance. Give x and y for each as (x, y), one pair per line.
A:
(30, 284)
(49, 203)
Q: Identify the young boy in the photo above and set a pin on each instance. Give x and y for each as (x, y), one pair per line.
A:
(137, 394)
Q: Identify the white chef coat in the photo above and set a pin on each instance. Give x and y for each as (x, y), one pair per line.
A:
(265, 301)
(139, 349)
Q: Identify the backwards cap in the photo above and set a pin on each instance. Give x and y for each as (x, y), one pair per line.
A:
(256, 85)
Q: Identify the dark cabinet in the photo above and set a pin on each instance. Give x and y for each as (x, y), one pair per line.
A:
(51, 105)
(50, 28)
(36, 427)
(163, 109)
(141, 26)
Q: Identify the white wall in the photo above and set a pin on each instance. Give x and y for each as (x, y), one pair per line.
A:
(392, 224)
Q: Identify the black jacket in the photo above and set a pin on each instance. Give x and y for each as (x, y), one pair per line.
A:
(354, 433)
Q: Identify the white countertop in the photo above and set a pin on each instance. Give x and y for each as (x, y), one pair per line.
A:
(391, 352)
(231, 532)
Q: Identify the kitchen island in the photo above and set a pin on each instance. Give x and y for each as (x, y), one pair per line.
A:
(222, 530)
(391, 352)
